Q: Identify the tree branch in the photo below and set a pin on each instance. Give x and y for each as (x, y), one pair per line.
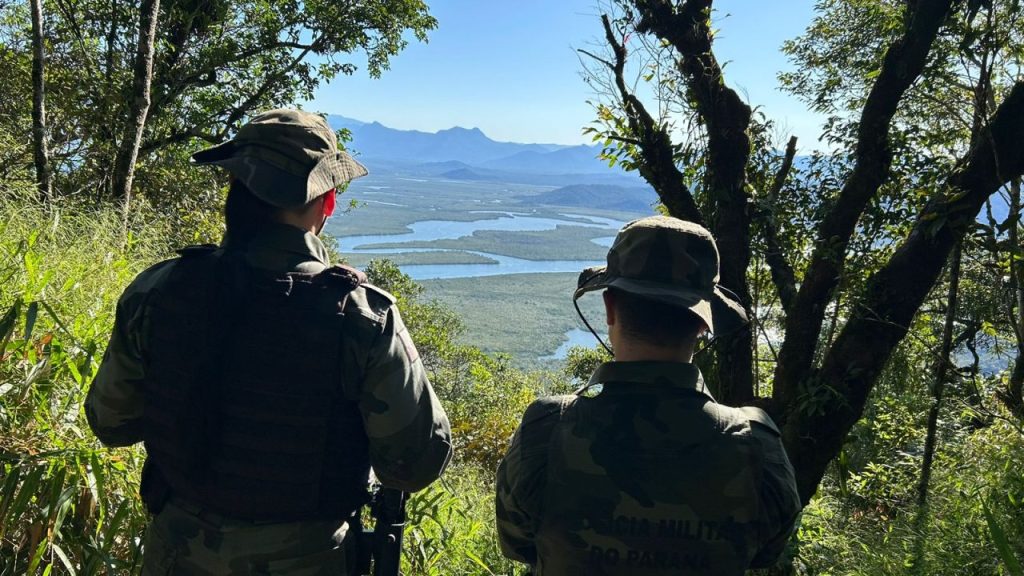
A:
(206, 76)
(239, 112)
(894, 293)
(782, 272)
(687, 27)
(178, 136)
(657, 164)
(903, 63)
(598, 58)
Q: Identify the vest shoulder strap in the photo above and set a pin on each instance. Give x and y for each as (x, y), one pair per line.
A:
(345, 277)
(196, 250)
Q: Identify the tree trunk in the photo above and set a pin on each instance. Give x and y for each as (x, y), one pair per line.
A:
(903, 63)
(688, 28)
(942, 363)
(39, 140)
(1013, 395)
(128, 152)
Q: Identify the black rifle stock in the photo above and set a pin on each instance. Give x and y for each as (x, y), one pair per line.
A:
(381, 546)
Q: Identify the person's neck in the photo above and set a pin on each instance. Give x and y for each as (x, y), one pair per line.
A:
(295, 221)
(639, 351)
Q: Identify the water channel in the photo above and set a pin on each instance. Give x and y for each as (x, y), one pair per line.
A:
(430, 230)
(574, 337)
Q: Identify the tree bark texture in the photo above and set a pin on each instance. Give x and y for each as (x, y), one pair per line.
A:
(814, 432)
(40, 149)
(903, 63)
(128, 150)
(727, 117)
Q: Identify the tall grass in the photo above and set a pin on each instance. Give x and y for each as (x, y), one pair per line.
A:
(66, 505)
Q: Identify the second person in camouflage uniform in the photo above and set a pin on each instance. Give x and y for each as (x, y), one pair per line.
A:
(642, 472)
(263, 381)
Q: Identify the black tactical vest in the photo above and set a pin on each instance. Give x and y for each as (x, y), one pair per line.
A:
(245, 414)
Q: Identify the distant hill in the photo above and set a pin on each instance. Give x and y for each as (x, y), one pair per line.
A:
(468, 154)
(468, 174)
(575, 159)
(624, 198)
(469, 145)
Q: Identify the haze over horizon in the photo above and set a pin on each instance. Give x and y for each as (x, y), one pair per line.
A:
(448, 129)
(512, 70)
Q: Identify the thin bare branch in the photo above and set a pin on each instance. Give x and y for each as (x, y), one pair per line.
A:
(658, 165)
(781, 270)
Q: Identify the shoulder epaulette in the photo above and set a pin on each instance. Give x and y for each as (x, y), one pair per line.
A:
(380, 293)
(548, 407)
(761, 417)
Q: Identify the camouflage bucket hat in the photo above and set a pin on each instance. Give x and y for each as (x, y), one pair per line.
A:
(287, 158)
(671, 261)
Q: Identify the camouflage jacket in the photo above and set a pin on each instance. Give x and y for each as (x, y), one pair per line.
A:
(649, 475)
(408, 430)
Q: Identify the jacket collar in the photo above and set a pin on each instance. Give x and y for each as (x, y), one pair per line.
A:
(282, 248)
(660, 374)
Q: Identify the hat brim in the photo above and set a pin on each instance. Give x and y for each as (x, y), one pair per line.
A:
(214, 155)
(280, 187)
(333, 171)
(721, 313)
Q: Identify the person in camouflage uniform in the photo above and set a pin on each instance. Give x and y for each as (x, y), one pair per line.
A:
(263, 381)
(642, 472)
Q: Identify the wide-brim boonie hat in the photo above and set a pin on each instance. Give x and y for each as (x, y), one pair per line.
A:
(670, 261)
(287, 158)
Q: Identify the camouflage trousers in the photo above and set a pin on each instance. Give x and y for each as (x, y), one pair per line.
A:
(185, 541)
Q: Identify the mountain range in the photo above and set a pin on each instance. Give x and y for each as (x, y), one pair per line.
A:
(468, 154)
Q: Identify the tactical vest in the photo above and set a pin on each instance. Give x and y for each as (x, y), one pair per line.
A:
(245, 413)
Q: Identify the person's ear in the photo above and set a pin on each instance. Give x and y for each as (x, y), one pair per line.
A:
(609, 307)
(329, 204)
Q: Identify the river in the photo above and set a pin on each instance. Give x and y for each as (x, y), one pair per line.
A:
(574, 337)
(431, 230)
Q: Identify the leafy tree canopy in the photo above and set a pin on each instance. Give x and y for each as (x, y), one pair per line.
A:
(215, 63)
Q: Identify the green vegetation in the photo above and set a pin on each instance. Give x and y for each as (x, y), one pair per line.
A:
(360, 260)
(881, 369)
(524, 316)
(562, 243)
(69, 504)
(66, 504)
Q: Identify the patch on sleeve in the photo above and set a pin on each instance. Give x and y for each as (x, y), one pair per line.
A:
(410, 348)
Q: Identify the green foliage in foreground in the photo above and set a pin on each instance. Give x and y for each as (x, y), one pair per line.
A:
(64, 501)
(69, 506)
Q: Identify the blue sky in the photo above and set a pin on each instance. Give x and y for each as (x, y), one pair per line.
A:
(510, 68)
